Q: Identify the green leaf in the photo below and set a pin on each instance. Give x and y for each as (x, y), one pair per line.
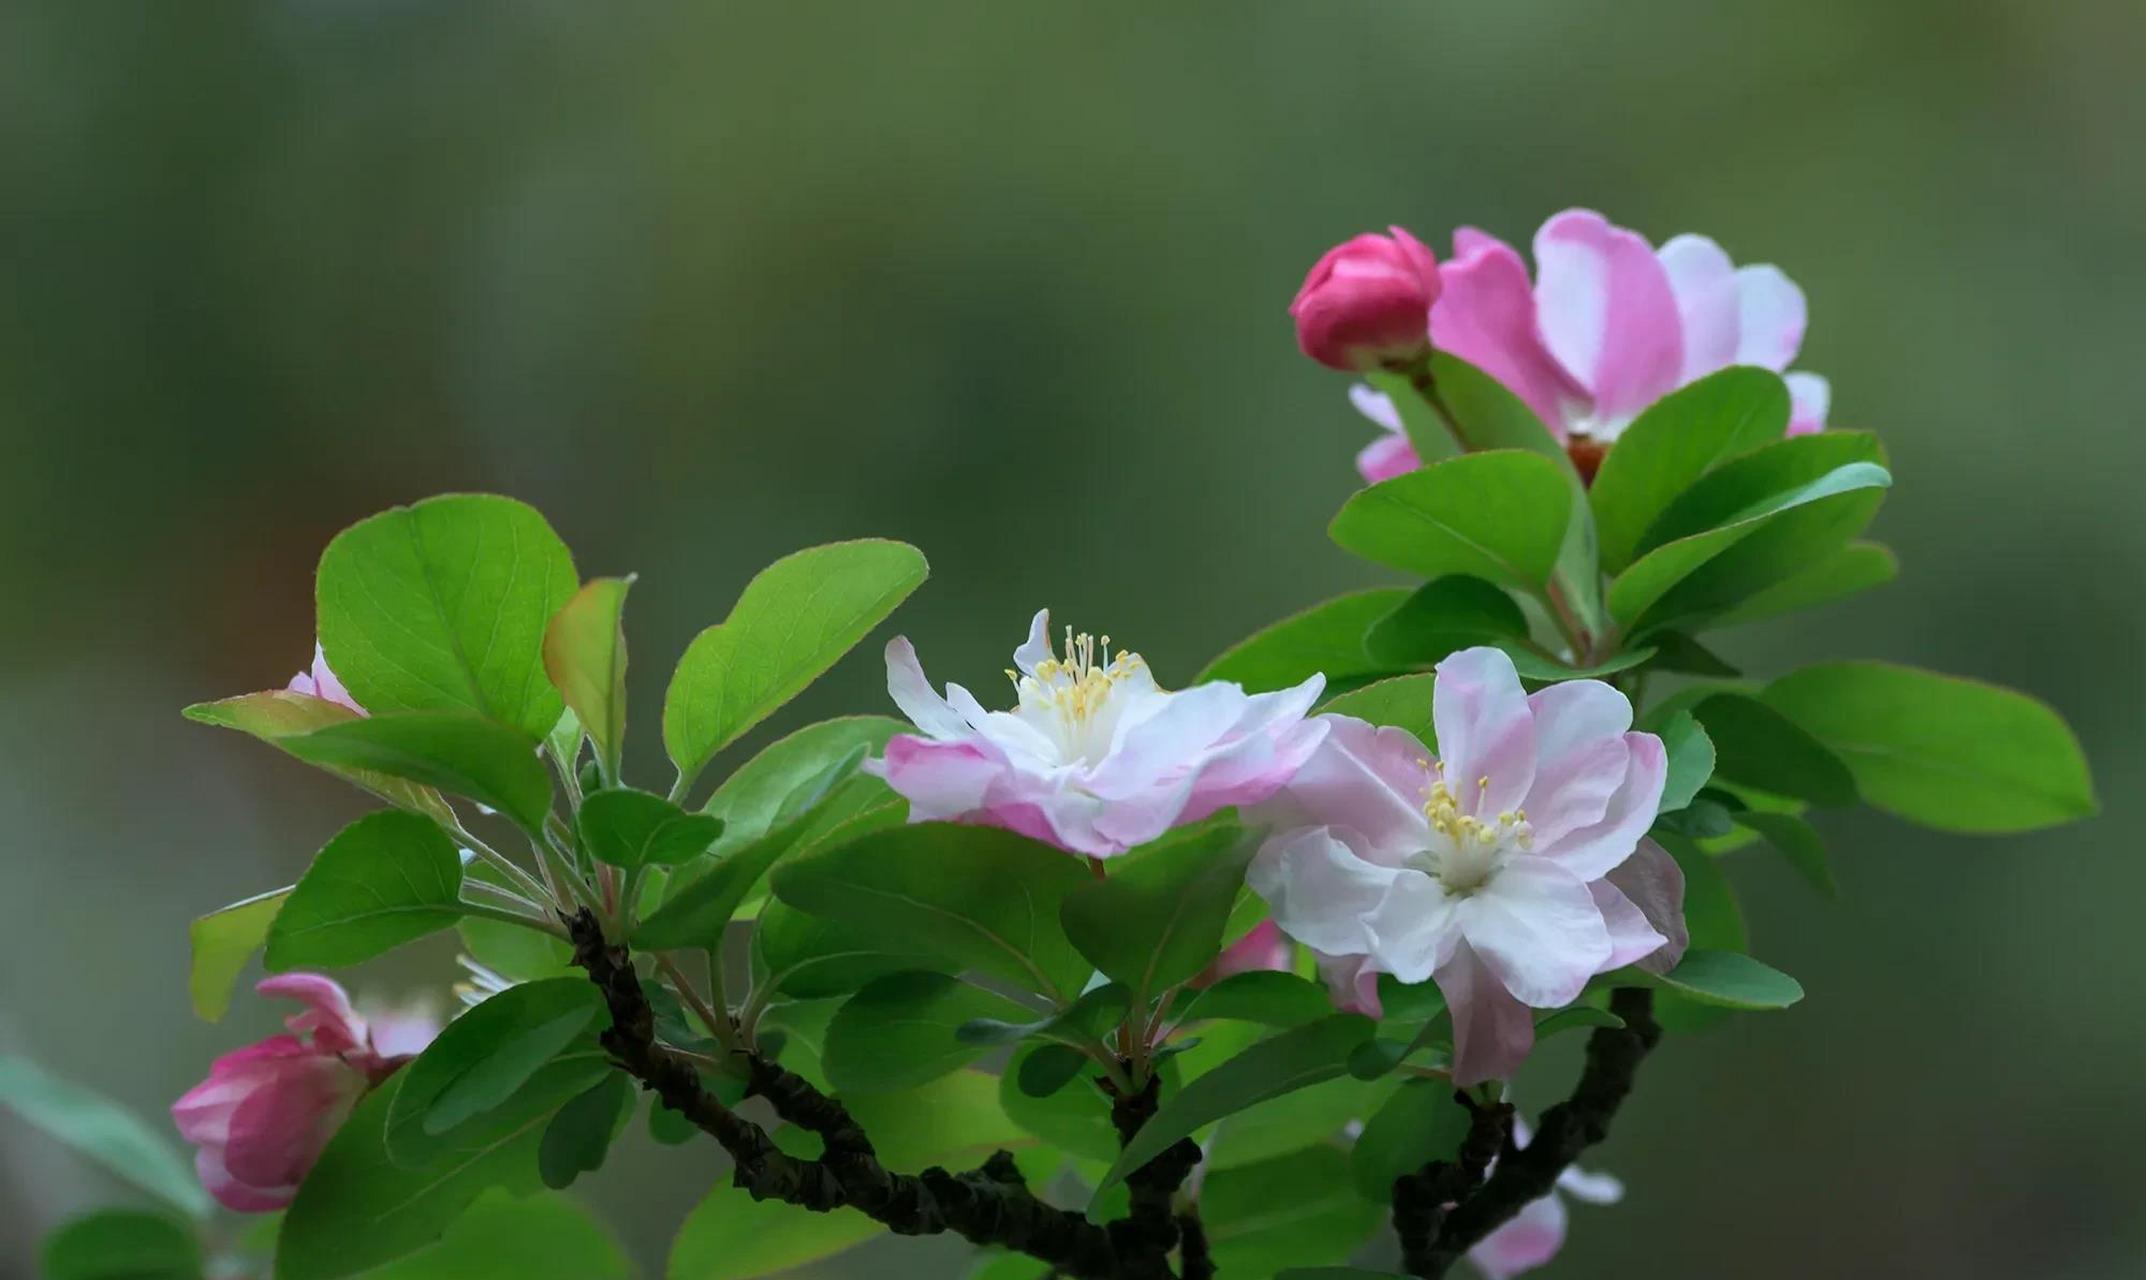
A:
(1072, 1114)
(442, 606)
(1953, 754)
(1856, 567)
(386, 879)
(279, 715)
(1403, 702)
(102, 1130)
(526, 1051)
(952, 1120)
(1156, 919)
(1678, 652)
(1730, 980)
(697, 914)
(1489, 416)
(810, 957)
(1699, 571)
(585, 656)
(1499, 515)
(1335, 1273)
(1798, 842)
(222, 942)
(755, 797)
(902, 1030)
(795, 618)
(1296, 1209)
(1533, 666)
(1678, 439)
(512, 951)
(1426, 431)
(579, 1137)
(1328, 638)
(632, 829)
(1289, 1061)
(1691, 760)
(1759, 747)
(731, 1236)
(121, 1244)
(487, 762)
(1085, 1020)
(1577, 1018)
(542, 1237)
(976, 896)
(1443, 617)
(1314, 1114)
(1420, 1123)
(1263, 996)
(1711, 914)
(358, 1209)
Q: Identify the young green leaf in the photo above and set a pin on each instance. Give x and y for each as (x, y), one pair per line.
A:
(795, 618)
(222, 942)
(526, 1051)
(1678, 439)
(1499, 515)
(1953, 754)
(1711, 913)
(1403, 702)
(1730, 980)
(1045, 1069)
(501, 1238)
(1327, 638)
(358, 1209)
(1263, 996)
(731, 1236)
(1290, 1061)
(121, 1244)
(1487, 415)
(585, 656)
(1856, 567)
(102, 1130)
(977, 896)
(1420, 1123)
(1085, 1020)
(1759, 747)
(386, 879)
(696, 912)
(579, 1137)
(1072, 1113)
(1318, 1113)
(1691, 760)
(626, 828)
(1157, 918)
(1442, 617)
(442, 606)
(754, 797)
(903, 1030)
(808, 957)
(488, 762)
(279, 714)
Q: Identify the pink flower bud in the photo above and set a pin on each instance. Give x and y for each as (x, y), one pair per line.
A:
(266, 1111)
(1367, 303)
(320, 681)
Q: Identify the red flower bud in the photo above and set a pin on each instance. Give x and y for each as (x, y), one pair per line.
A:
(1367, 302)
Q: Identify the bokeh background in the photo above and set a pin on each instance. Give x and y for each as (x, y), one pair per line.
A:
(711, 282)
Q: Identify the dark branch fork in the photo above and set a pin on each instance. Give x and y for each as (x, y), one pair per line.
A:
(1449, 1207)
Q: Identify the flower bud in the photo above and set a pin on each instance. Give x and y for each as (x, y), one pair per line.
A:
(1367, 303)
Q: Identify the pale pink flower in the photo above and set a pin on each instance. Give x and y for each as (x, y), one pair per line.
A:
(320, 681)
(1094, 757)
(1608, 326)
(1537, 1232)
(1505, 870)
(262, 1117)
(1263, 948)
(1367, 302)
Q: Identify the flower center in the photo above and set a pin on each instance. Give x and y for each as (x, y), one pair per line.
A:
(1070, 698)
(1465, 852)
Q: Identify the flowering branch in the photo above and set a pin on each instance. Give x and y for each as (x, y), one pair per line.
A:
(1449, 1208)
(988, 1205)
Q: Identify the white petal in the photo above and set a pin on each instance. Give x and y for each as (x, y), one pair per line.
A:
(1538, 929)
(1318, 890)
(1037, 648)
(1413, 931)
(1769, 318)
(1370, 779)
(1704, 282)
(1810, 399)
(1377, 406)
(1590, 1188)
(1486, 732)
(914, 695)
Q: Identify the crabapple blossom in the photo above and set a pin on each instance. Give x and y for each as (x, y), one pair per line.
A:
(1094, 757)
(1367, 302)
(1608, 326)
(265, 1112)
(1509, 870)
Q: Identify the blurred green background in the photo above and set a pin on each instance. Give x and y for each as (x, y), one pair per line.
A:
(711, 282)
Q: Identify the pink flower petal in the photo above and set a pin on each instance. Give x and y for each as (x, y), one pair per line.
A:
(333, 1024)
(1319, 890)
(1590, 851)
(939, 779)
(1377, 406)
(1387, 457)
(1485, 314)
(1653, 882)
(1373, 779)
(915, 696)
(1606, 312)
(1537, 928)
(1770, 317)
(1492, 1032)
(1532, 1238)
(278, 1131)
(1809, 398)
(1580, 755)
(1486, 733)
(1704, 282)
(1631, 937)
(1352, 982)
